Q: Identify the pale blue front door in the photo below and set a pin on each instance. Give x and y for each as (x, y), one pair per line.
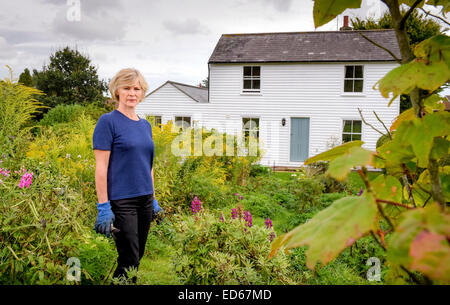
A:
(299, 139)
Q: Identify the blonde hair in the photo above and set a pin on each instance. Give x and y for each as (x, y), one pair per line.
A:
(126, 77)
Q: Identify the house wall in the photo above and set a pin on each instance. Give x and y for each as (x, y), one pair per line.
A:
(169, 102)
(308, 90)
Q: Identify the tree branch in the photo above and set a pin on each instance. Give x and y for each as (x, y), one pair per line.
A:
(406, 182)
(395, 203)
(408, 13)
(428, 13)
(388, 132)
(364, 121)
(381, 47)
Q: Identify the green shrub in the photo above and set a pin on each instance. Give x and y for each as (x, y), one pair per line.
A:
(258, 170)
(17, 107)
(307, 192)
(223, 253)
(261, 205)
(62, 114)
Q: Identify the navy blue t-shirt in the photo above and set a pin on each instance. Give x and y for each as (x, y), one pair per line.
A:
(132, 153)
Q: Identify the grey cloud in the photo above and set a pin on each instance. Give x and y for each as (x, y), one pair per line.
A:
(188, 26)
(94, 25)
(6, 50)
(280, 5)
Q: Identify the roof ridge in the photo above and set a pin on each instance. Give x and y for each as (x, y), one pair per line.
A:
(192, 86)
(308, 32)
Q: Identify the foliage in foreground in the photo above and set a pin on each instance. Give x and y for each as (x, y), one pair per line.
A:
(404, 210)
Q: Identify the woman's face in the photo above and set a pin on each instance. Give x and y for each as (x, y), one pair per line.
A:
(130, 95)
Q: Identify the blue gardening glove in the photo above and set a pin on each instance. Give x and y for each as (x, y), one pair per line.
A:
(105, 218)
(156, 207)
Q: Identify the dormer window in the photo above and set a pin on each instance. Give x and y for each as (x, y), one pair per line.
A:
(252, 79)
(353, 81)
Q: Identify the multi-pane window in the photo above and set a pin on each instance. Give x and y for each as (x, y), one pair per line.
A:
(250, 127)
(353, 81)
(252, 79)
(155, 120)
(351, 130)
(183, 122)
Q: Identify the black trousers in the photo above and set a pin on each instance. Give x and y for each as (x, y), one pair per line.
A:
(132, 217)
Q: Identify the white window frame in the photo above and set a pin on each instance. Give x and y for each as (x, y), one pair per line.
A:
(353, 93)
(182, 118)
(351, 132)
(251, 78)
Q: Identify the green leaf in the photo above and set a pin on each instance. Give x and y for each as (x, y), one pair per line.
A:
(404, 116)
(332, 229)
(422, 136)
(334, 152)
(441, 148)
(340, 167)
(429, 71)
(433, 102)
(415, 138)
(387, 188)
(326, 10)
(404, 242)
(416, 73)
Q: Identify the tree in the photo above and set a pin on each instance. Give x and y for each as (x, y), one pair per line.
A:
(205, 82)
(406, 209)
(69, 78)
(25, 78)
(419, 27)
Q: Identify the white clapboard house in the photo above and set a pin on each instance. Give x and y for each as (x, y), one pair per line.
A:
(299, 92)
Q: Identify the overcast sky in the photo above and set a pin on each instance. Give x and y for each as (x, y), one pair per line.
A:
(165, 39)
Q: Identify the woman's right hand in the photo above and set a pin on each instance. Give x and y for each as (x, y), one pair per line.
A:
(105, 218)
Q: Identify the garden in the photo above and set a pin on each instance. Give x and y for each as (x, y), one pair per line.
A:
(221, 213)
(228, 220)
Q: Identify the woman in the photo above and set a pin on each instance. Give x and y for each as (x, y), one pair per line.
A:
(124, 153)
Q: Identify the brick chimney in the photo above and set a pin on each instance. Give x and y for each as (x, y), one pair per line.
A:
(346, 27)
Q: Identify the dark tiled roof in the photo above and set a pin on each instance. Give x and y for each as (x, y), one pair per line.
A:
(305, 47)
(196, 93)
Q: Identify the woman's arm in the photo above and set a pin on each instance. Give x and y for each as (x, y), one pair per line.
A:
(101, 174)
(153, 180)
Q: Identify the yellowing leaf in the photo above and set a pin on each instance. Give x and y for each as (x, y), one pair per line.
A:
(332, 229)
(404, 242)
(326, 10)
(340, 167)
(334, 152)
(404, 116)
(430, 254)
(387, 188)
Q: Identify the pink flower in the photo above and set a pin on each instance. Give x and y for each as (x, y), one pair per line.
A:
(268, 223)
(234, 213)
(196, 206)
(26, 180)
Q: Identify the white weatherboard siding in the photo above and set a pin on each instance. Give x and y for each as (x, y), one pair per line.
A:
(308, 90)
(288, 90)
(169, 102)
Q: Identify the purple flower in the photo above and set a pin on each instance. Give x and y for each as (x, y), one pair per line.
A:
(272, 236)
(196, 205)
(4, 172)
(221, 217)
(360, 192)
(268, 223)
(234, 213)
(248, 219)
(236, 194)
(241, 197)
(26, 180)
